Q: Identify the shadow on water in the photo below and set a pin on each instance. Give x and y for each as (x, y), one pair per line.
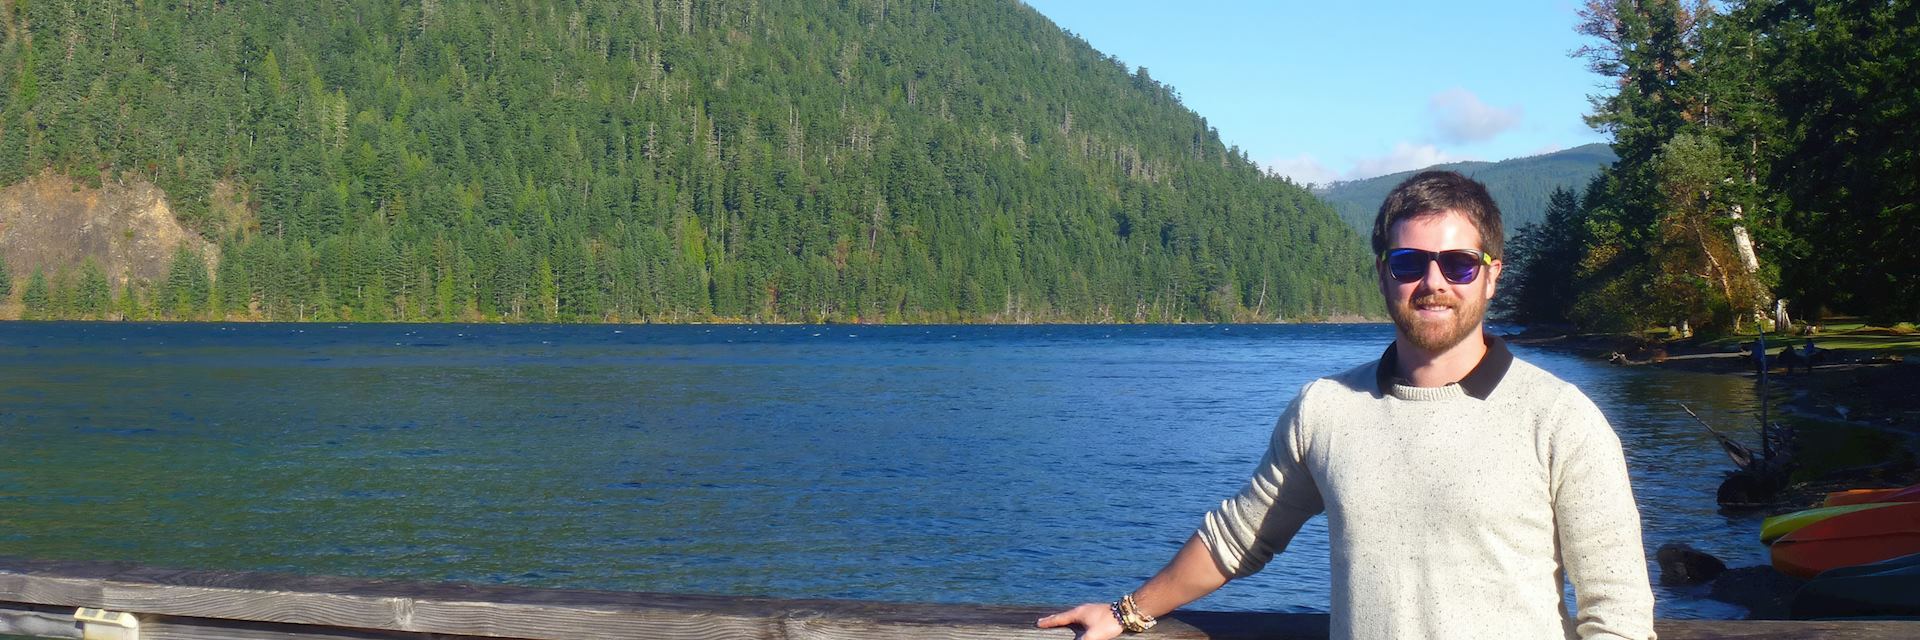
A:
(947, 464)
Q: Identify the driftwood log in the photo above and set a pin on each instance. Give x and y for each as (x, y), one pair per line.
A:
(39, 598)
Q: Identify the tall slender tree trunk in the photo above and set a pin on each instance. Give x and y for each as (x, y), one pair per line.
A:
(1260, 308)
(1743, 242)
(1719, 270)
(1749, 261)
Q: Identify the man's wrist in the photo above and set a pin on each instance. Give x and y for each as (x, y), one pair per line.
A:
(1131, 618)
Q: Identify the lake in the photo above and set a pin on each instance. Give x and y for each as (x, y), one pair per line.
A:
(978, 464)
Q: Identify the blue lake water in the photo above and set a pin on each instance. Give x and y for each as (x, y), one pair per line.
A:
(1012, 465)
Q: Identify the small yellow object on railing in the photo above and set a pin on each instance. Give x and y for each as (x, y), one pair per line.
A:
(101, 624)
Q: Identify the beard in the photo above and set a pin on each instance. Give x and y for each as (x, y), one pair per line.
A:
(1435, 335)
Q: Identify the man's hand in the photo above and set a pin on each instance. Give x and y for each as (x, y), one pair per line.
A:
(1191, 574)
(1095, 620)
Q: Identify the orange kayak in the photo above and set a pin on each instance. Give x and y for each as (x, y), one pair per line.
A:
(1863, 496)
(1849, 539)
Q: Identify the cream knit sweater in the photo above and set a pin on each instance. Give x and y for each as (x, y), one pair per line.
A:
(1450, 515)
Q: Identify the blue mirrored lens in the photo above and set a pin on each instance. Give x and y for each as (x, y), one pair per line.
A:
(1459, 267)
(1408, 265)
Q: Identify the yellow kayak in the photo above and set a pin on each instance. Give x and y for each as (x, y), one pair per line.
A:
(1773, 528)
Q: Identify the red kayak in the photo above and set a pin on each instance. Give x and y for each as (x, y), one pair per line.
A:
(1864, 496)
(1849, 539)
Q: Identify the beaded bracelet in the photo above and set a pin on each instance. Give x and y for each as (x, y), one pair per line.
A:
(1127, 612)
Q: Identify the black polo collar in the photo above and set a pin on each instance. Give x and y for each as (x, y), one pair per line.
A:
(1479, 382)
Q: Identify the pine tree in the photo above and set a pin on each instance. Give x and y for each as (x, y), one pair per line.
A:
(127, 305)
(185, 293)
(235, 286)
(37, 300)
(1847, 172)
(95, 293)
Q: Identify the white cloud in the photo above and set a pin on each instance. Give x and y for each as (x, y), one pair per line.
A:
(1405, 156)
(1460, 116)
(1304, 169)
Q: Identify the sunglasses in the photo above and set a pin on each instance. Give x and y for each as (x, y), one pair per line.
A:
(1458, 266)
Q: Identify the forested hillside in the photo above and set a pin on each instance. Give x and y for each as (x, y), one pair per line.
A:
(1520, 185)
(658, 160)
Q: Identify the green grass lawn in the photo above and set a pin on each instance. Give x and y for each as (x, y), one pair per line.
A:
(1860, 337)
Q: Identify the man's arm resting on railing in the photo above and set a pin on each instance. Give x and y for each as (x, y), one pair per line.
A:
(1239, 536)
(1191, 574)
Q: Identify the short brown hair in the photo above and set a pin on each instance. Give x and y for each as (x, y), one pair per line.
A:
(1433, 192)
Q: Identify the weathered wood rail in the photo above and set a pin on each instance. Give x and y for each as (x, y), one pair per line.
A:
(39, 598)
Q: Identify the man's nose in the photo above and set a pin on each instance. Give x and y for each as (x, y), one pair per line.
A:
(1434, 280)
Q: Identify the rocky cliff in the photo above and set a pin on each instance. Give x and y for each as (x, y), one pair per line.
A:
(51, 222)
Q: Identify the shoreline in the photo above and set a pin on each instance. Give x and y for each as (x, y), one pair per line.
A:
(1348, 319)
(1860, 387)
(1826, 406)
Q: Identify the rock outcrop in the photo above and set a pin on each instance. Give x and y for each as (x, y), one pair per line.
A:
(51, 221)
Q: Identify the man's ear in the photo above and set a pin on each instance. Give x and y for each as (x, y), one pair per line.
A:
(1493, 277)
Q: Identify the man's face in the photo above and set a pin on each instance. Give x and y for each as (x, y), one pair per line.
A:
(1432, 313)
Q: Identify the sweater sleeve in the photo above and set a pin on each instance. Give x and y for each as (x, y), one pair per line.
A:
(1598, 525)
(1244, 532)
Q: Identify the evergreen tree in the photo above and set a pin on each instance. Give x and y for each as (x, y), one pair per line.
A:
(95, 293)
(1542, 260)
(37, 300)
(61, 289)
(374, 299)
(1847, 170)
(234, 285)
(1764, 151)
(184, 295)
(127, 305)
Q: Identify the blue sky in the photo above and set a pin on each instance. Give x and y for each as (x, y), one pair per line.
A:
(1325, 91)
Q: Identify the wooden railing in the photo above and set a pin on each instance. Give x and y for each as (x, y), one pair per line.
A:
(39, 598)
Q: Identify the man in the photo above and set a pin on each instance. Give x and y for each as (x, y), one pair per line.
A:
(1460, 484)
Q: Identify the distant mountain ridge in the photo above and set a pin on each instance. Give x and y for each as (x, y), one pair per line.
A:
(1519, 185)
